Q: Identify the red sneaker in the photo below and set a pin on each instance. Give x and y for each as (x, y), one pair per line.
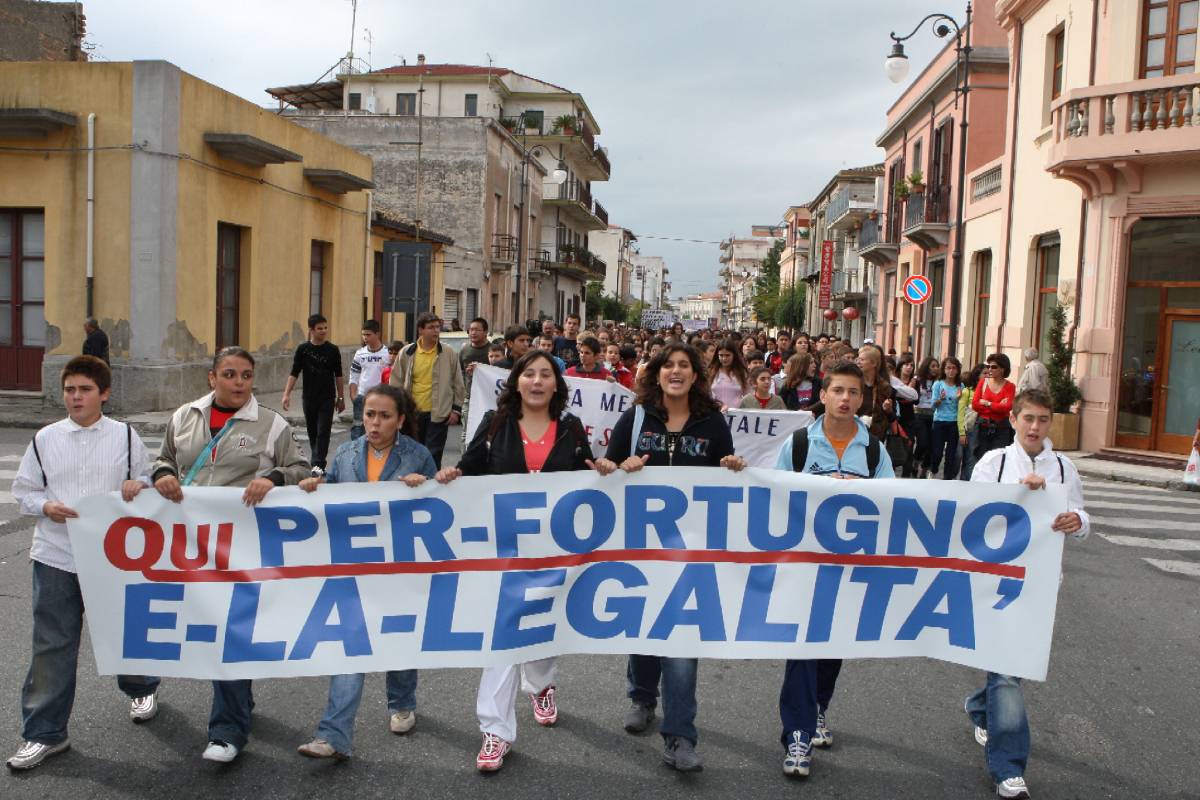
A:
(545, 711)
(492, 753)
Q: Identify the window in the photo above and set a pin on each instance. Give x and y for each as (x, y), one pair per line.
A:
(1047, 288)
(229, 268)
(889, 308)
(1169, 37)
(22, 298)
(943, 145)
(406, 104)
(983, 304)
(916, 159)
(471, 106)
(534, 121)
(471, 311)
(316, 277)
(1058, 41)
(355, 101)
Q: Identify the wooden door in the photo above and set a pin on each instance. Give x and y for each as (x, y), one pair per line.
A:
(22, 299)
(1179, 403)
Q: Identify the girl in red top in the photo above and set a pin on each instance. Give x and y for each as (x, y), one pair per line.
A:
(589, 365)
(993, 402)
(612, 356)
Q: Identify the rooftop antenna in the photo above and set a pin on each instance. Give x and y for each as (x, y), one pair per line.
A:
(353, 27)
(370, 46)
(490, 61)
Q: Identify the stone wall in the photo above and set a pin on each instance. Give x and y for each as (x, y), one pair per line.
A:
(38, 31)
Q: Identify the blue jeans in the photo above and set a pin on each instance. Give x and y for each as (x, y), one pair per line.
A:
(999, 708)
(945, 443)
(968, 457)
(678, 691)
(345, 692)
(48, 694)
(806, 691)
(357, 429)
(229, 720)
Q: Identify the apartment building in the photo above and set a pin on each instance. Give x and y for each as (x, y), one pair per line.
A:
(649, 282)
(501, 162)
(706, 306)
(837, 277)
(615, 248)
(741, 260)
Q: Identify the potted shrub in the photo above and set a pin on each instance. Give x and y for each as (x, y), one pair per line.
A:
(916, 181)
(1064, 428)
(510, 123)
(567, 124)
(901, 189)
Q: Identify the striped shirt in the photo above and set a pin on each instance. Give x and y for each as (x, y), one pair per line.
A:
(78, 462)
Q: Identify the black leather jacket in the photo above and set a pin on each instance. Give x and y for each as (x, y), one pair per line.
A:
(500, 452)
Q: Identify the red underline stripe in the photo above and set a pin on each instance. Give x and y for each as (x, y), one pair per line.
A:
(575, 560)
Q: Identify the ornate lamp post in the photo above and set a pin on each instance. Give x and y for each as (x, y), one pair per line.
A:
(896, 68)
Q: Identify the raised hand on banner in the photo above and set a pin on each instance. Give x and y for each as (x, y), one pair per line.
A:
(130, 489)
(59, 512)
(311, 484)
(603, 465)
(256, 490)
(634, 463)
(1067, 522)
(1034, 481)
(413, 479)
(168, 486)
(447, 474)
(733, 463)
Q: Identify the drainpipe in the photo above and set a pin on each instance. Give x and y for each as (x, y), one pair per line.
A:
(91, 209)
(368, 260)
(1018, 41)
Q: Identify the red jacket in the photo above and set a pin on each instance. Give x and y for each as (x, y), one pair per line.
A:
(1002, 401)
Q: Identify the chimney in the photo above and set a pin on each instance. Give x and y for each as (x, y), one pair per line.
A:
(420, 59)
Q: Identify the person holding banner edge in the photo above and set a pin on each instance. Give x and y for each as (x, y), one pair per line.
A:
(838, 445)
(85, 454)
(227, 439)
(675, 422)
(998, 709)
(530, 431)
(387, 452)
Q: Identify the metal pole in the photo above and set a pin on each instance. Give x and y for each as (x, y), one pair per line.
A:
(516, 319)
(416, 291)
(392, 297)
(957, 269)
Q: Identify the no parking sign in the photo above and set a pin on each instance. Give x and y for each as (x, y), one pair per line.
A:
(917, 289)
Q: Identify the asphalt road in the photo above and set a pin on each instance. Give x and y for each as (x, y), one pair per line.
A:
(1116, 717)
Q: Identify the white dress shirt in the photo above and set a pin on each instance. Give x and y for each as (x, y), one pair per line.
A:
(78, 462)
(1018, 464)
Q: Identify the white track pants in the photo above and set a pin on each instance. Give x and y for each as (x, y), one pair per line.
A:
(495, 705)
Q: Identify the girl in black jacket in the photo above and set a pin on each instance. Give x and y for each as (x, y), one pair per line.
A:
(530, 431)
(676, 422)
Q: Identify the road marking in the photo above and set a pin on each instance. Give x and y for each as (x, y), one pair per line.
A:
(1145, 524)
(10, 459)
(1190, 568)
(7, 500)
(1162, 508)
(1182, 545)
(8, 474)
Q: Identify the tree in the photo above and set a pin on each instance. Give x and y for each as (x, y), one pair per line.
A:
(765, 299)
(604, 306)
(789, 312)
(1063, 391)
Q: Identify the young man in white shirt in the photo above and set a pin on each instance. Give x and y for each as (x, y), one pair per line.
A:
(998, 709)
(83, 455)
(366, 370)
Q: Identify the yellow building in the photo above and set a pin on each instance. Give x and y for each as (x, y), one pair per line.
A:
(183, 217)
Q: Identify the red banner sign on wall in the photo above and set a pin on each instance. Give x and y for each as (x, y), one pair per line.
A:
(826, 274)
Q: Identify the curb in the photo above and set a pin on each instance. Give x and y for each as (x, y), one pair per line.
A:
(1173, 484)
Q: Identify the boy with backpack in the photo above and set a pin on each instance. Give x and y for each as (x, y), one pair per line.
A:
(83, 455)
(836, 445)
(998, 709)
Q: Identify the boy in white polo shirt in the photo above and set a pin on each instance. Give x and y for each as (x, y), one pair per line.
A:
(83, 455)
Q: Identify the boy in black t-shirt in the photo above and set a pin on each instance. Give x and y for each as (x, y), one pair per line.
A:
(324, 388)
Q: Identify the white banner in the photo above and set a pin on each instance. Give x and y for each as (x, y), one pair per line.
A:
(655, 318)
(757, 434)
(694, 562)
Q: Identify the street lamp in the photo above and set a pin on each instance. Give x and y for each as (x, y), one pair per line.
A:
(896, 68)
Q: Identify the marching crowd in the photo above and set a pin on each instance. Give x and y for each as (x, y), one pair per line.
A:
(876, 414)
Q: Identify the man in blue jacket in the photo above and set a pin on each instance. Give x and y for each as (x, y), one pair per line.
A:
(836, 445)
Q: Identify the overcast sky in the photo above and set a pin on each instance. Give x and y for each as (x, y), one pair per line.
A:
(717, 115)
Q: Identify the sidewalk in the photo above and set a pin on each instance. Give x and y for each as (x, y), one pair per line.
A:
(1099, 469)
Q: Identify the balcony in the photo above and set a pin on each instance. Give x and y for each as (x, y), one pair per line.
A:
(576, 202)
(847, 285)
(577, 262)
(579, 147)
(878, 242)
(927, 217)
(504, 250)
(1102, 132)
(601, 213)
(849, 206)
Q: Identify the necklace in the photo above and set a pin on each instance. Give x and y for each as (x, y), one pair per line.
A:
(379, 455)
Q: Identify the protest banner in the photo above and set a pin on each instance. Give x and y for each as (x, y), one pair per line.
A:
(757, 434)
(680, 561)
(656, 318)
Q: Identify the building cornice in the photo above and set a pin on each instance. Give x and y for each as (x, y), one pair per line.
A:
(1010, 12)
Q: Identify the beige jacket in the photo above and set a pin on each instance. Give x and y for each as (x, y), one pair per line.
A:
(259, 444)
(448, 390)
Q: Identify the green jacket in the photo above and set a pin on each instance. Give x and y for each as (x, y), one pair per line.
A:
(448, 389)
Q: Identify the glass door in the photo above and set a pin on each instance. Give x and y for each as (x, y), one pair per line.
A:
(22, 299)
(1180, 387)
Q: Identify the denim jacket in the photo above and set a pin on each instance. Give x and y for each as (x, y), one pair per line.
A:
(349, 463)
(823, 459)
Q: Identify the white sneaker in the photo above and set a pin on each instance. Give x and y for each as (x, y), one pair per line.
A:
(1012, 787)
(31, 754)
(823, 736)
(144, 709)
(981, 736)
(402, 722)
(221, 752)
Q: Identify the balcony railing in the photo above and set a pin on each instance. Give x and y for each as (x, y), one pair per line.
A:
(600, 213)
(504, 247)
(877, 231)
(930, 206)
(985, 184)
(1101, 132)
(859, 199)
